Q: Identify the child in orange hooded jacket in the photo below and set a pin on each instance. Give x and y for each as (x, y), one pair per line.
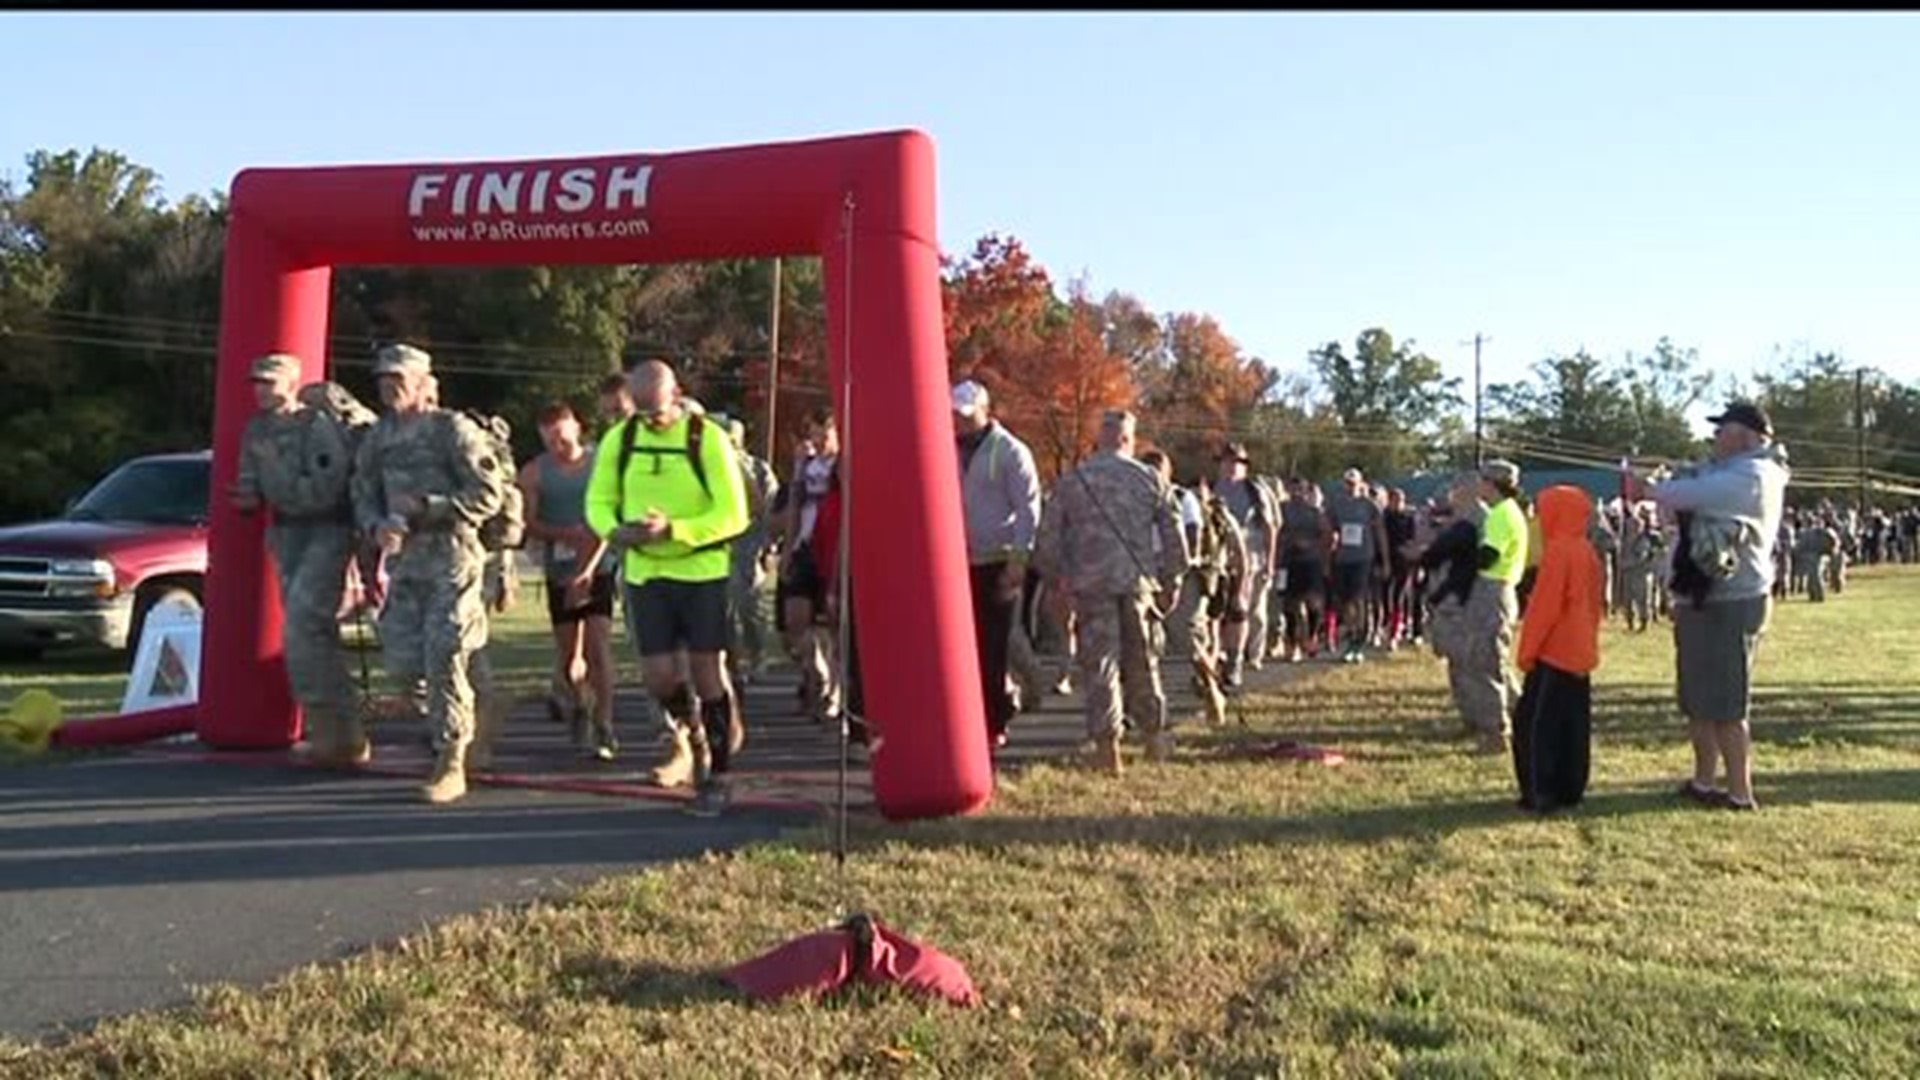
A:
(1559, 649)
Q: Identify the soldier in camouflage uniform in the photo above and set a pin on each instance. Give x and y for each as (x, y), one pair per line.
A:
(296, 460)
(1243, 623)
(499, 578)
(1846, 543)
(1224, 565)
(1814, 550)
(747, 612)
(1639, 564)
(424, 483)
(1098, 541)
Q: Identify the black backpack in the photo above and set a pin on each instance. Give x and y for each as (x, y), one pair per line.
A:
(1689, 580)
(696, 430)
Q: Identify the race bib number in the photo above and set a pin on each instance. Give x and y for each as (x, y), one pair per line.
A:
(1280, 580)
(1353, 535)
(565, 553)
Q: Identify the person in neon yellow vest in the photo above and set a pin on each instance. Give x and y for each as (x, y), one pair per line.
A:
(1486, 683)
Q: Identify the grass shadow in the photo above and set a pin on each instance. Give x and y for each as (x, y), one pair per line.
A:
(1199, 833)
(644, 986)
(64, 662)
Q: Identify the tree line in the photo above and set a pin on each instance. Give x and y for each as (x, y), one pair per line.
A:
(109, 315)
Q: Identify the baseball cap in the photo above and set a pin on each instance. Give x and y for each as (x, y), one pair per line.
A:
(275, 366)
(402, 359)
(970, 399)
(1747, 415)
(1501, 471)
(1234, 451)
(1354, 476)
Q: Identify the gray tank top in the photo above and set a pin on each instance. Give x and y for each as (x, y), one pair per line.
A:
(563, 503)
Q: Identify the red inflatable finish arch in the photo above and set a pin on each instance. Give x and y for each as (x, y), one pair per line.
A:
(864, 204)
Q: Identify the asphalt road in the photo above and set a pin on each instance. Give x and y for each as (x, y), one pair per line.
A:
(125, 880)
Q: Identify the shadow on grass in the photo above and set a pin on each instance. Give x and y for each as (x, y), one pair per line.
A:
(645, 986)
(1189, 833)
(18, 667)
(1404, 724)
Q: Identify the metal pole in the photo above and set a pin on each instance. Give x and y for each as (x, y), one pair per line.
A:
(773, 361)
(1860, 435)
(1479, 423)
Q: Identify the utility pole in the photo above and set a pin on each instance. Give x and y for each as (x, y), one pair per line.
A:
(773, 360)
(1860, 436)
(1479, 414)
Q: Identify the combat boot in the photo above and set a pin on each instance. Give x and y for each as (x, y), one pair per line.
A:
(448, 782)
(1103, 754)
(488, 718)
(677, 768)
(1160, 747)
(320, 739)
(353, 747)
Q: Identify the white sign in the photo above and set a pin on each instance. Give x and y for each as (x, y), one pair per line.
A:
(166, 667)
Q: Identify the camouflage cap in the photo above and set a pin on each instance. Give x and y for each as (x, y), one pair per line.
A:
(275, 366)
(336, 399)
(402, 359)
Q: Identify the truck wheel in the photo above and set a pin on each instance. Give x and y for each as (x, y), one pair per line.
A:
(147, 601)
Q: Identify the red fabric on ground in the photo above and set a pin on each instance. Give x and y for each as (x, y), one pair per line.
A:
(818, 963)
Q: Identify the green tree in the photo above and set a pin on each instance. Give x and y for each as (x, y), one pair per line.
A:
(1573, 408)
(1393, 402)
(106, 310)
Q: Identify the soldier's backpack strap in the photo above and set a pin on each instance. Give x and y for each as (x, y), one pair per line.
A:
(1122, 537)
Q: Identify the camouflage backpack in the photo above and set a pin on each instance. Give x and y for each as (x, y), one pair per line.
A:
(1228, 539)
(334, 423)
(507, 528)
(1213, 556)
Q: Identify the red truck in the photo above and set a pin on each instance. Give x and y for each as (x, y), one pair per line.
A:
(90, 576)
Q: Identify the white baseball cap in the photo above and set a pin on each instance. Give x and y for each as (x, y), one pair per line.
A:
(970, 399)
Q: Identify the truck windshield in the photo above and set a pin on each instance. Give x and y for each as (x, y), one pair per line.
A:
(149, 492)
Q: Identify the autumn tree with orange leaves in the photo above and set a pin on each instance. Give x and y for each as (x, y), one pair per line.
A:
(1043, 359)
(1206, 388)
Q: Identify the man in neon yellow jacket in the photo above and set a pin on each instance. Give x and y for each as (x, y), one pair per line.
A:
(666, 492)
(1485, 683)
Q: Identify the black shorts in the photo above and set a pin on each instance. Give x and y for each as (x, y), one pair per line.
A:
(666, 615)
(599, 601)
(1350, 581)
(1305, 578)
(802, 580)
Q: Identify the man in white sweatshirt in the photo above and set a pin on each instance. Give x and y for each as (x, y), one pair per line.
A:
(1730, 512)
(1000, 499)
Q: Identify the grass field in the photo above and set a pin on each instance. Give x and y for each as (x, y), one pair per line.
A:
(1213, 917)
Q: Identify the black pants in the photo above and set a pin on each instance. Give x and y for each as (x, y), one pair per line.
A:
(1552, 738)
(853, 696)
(993, 612)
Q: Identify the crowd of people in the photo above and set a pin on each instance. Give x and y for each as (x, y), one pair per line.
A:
(1090, 582)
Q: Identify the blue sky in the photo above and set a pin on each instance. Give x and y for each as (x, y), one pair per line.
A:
(1739, 183)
